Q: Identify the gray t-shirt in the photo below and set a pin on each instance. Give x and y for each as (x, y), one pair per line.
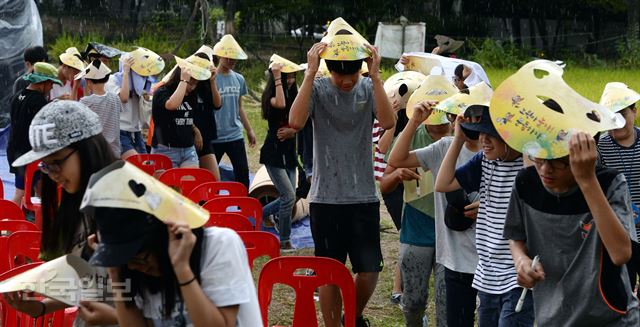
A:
(581, 286)
(342, 151)
(455, 250)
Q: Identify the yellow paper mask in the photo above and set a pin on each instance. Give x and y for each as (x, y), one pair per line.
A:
(68, 279)
(421, 64)
(542, 131)
(197, 67)
(400, 86)
(228, 47)
(145, 62)
(434, 88)
(344, 42)
(617, 96)
(71, 57)
(206, 50)
(123, 185)
(287, 65)
(479, 94)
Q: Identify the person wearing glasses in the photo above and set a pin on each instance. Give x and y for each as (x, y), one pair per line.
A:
(67, 137)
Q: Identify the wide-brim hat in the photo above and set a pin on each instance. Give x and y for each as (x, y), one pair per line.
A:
(72, 58)
(43, 71)
(447, 44)
(536, 112)
(101, 49)
(400, 86)
(198, 68)
(617, 96)
(344, 42)
(96, 70)
(228, 47)
(57, 125)
(473, 129)
(433, 88)
(140, 191)
(145, 62)
(288, 66)
(479, 94)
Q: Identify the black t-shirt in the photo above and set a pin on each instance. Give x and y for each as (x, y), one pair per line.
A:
(203, 116)
(24, 106)
(172, 127)
(20, 84)
(276, 153)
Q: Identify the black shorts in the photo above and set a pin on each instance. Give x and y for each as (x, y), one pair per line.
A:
(348, 229)
(207, 148)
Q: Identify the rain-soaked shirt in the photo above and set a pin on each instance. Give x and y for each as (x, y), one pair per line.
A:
(342, 151)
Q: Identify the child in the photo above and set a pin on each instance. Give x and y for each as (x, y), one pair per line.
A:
(66, 136)
(577, 219)
(345, 216)
(491, 173)
(455, 249)
(31, 56)
(24, 106)
(107, 105)
(179, 273)
(231, 118)
(70, 65)
(278, 153)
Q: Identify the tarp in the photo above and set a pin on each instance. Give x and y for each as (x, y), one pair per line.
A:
(389, 39)
(20, 28)
(447, 66)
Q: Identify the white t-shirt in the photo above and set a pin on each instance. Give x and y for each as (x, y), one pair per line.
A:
(57, 90)
(130, 114)
(225, 279)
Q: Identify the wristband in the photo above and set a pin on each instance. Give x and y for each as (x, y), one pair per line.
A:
(184, 80)
(188, 282)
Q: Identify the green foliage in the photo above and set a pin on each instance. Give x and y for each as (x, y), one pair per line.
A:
(237, 20)
(629, 53)
(65, 41)
(216, 14)
(496, 54)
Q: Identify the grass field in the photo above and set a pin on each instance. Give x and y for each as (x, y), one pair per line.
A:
(588, 82)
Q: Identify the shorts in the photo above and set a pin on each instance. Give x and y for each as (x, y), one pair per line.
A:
(348, 229)
(207, 148)
(180, 157)
(19, 180)
(132, 141)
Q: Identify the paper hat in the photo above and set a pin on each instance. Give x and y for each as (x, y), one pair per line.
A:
(617, 96)
(139, 191)
(65, 279)
(421, 64)
(539, 129)
(434, 88)
(344, 42)
(197, 67)
(206, 50)
(364, 69)
(400, 86)
(228, 47)
(287, 65)
(479, 94)
(43, 71)
(72, 58)
(447, 44)
(101, 49)
(145, 62)
(95, 70)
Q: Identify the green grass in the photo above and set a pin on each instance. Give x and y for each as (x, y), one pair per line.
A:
(588, 82)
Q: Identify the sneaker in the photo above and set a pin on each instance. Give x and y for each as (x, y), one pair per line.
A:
(396, 298)
(360, 322)
(286, 247)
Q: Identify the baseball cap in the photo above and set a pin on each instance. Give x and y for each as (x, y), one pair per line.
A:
(58, 125)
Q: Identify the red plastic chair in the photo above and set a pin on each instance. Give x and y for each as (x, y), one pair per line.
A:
(29, 201)
(186, 179)
(207, 191)
(13, 318)
(259, 244)
(246, 206)
(282, 270)
(22, 245)
(8, 227)
(10, 210)
(235, 221)
(150, 163)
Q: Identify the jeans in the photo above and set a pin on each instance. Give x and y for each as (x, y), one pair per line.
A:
(499, 309)
(180, 157)
(238, 157)
(285, 182)
(132, 141)
(461, 298)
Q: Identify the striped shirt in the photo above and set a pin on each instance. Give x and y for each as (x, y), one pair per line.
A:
(379, 165)
(495, 272)
(108, 108)
(626, 160)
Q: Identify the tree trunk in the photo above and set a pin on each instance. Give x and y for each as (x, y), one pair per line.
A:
(541, 23)
(516, 34)
(230, 12)
(633, 19)
(187, 28)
